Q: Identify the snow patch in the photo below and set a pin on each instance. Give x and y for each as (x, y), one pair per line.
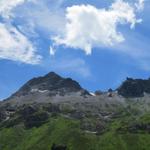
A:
(40, 91)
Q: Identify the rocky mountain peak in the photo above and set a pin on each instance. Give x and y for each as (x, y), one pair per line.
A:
(134, 87)
(52, 75)
(52, 83)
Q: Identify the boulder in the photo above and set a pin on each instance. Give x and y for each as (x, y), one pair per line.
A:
(58, 147)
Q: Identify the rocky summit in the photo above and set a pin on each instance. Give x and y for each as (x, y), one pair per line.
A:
(51, 82)
(134, 87)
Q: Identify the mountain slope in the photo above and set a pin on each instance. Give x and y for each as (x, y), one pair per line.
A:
(67, 132)
(45, 89)
(52, 110)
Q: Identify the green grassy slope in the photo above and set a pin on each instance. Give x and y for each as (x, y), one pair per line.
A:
(67, 131)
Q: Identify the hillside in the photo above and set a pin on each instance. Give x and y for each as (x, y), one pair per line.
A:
(56, 113)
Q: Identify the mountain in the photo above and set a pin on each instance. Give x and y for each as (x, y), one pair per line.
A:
(46, 88)
(134, 87)
(56, 113)
(52, 83)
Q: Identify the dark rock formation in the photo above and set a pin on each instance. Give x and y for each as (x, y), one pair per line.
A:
(98, 93)
(52, 83)
(58, 147)
(52, 108)
(136, 127)
(100, 128)
(36, 119)
(77, 115)
(2, 115)
(134, 87)
(110, 90)
(27, 111)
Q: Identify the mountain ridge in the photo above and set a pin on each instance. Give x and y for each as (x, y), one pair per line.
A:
(66, 115)
(52, 84)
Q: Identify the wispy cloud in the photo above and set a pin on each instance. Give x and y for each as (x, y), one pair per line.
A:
(140, 5)
(46, 15)
(6, 6)
(70, 65)
(15, 46)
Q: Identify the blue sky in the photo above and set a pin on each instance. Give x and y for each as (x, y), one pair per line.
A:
(97, 43)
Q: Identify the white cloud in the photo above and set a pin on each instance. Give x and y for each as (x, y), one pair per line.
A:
(52, 50)
(88, 26)
(7, 5)
(140, 5)
(15, 46)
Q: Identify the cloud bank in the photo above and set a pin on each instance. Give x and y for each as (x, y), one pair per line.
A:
(88, 27)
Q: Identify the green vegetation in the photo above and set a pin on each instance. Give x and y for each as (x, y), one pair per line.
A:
(38, 127)
(60, 130)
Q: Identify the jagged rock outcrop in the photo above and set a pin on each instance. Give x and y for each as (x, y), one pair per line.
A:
(134, 87)
(52, 83)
